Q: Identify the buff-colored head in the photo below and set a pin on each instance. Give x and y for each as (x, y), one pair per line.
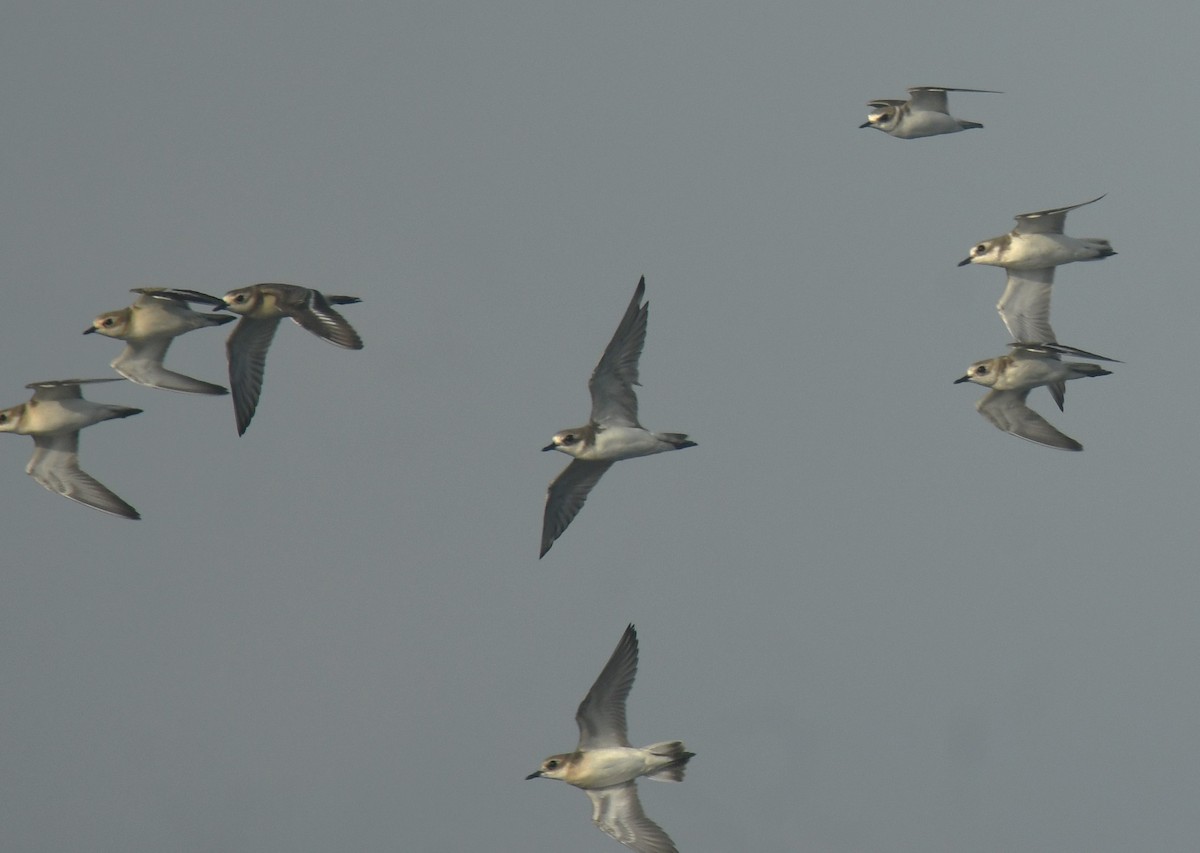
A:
(244, 300)
(112, 324)
(986, 372)
(882, 118)
(554, 767)
(10, 419)
(570, 441)
(990, 252)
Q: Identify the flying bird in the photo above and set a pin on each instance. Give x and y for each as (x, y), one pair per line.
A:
(1011, 377)
(261, 307)
(604, 764)
(925, 113)
(613, 433)
(148, 326)
(54, 416)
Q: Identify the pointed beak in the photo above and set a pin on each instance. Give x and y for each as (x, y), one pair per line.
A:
(222, 307)
(89, 330)
(864, 124)
(962, 379)
(537, 774)
(964, 262)
(549, 446)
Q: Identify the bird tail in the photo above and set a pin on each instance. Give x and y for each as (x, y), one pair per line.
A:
(1100, 245)
(677, 758)
(111, 412)
(677, 439)
(1089, 370)
(969, 125)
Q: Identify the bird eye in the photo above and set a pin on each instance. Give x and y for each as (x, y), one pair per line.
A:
(3, 419)
(108, 322)
(981, 371)
(980, 249)
(550, 765)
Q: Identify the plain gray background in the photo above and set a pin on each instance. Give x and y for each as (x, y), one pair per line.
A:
(881, 624)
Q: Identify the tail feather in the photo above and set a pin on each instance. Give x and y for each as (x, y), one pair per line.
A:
(678, 439)
(1089, 370)
(679, 756)
(969, 125)
(1101, 245)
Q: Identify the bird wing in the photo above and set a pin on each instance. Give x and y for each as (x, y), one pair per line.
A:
(247, 350)
(1047, 348)
(614, 402)
(142, 362)
(317, 316)
(929, 98)
(1047, 221)
(179, 295)
(63, 389)
(1025, 305)
(601, 714)
(618, 811)
(55, 464)
(1007, 411)
(566, 496)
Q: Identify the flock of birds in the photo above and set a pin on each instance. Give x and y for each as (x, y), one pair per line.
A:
(58, 411)
(1029, 253)
(604, 764)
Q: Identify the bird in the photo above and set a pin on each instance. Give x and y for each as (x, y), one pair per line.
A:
(1037, 241)
(54, 416)
(613, 433)
(604, 764)
(261, 307)
(1029, 253)
(157, 317)
(1011, 377)
(925, 113)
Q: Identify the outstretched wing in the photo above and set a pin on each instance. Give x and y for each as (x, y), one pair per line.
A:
(614, 402)
(319, 317)
(1025, 305)
(143, 363)
(55, 464)
(618, 811)
(601, 714)
(1047, 221)
(247, 350)
(566, 496)
(1007, 411)
(175, 294)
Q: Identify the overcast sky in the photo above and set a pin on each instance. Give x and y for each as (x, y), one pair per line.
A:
(881, 624)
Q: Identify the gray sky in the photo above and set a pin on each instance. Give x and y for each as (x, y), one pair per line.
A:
(880, 623)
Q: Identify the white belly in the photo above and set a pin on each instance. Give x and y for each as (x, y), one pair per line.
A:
(615, 443)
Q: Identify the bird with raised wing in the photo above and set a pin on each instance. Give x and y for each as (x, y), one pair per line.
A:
(261, 307)
(925, 113)
(604, 764)
(613, 433)
(1011, 377)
